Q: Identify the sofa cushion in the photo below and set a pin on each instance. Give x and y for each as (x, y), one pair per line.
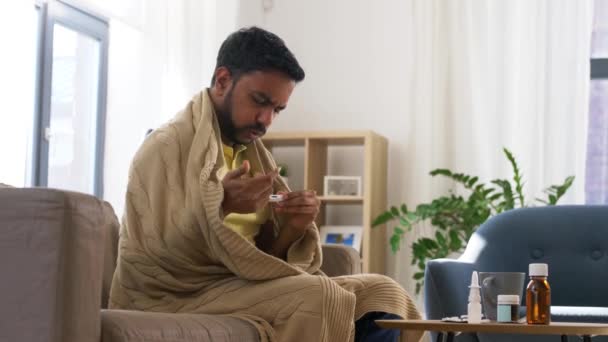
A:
(139, 326)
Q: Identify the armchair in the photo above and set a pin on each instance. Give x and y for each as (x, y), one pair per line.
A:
(573, 240)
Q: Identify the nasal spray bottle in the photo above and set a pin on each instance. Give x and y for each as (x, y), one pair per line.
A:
(474, 308)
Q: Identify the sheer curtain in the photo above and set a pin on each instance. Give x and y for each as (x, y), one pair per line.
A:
(193, 31)
(488, 74)
(597, 148)
(18, 34)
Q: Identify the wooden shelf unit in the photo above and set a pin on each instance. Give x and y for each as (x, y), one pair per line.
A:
(373, 198)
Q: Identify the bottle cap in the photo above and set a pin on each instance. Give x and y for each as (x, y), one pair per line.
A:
(474, 280)
(474, 293)
(508, 299)
(539, 270)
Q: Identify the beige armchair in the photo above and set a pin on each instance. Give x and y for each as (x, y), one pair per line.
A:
(57, 257)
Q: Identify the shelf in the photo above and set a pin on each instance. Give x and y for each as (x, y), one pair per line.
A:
(341, 199)
(331, 136)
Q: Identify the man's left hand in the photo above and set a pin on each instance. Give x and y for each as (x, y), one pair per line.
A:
(300, 209)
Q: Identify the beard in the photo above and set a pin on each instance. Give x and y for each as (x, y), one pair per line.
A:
(235, 134)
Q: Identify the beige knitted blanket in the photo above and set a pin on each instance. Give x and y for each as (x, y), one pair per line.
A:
(175, 255)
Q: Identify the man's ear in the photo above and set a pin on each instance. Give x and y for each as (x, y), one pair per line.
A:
(223, 80)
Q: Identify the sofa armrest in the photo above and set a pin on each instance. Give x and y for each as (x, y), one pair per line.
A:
(140, 326)
(51, 265)
(340, 260)
(446, 288)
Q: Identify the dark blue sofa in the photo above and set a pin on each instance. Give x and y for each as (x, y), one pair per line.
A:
(573, 240)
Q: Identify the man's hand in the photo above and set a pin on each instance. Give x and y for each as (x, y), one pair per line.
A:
(246, 195)
(300, 209)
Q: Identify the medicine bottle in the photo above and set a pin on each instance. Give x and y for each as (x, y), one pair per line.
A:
(538, 295)
(507, 309)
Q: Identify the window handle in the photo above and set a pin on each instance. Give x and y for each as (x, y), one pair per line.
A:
(48, 134)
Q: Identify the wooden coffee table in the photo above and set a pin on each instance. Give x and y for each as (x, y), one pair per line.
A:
(557, 328)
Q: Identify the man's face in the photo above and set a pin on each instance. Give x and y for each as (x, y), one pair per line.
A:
(250, 104)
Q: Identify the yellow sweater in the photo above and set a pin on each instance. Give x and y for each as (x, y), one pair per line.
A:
(248, 225)
(176, 255)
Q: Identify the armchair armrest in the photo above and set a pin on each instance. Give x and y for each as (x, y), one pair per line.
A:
(340, 260)
(446, 288)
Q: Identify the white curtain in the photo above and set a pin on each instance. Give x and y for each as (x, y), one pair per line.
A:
(487, 74)
(18, 25)
(194, 31)
(597, 146)
(183, 67)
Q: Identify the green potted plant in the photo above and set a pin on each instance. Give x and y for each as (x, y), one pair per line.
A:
(455, 217)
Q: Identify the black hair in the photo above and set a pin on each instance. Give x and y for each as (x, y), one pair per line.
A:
(255, 49)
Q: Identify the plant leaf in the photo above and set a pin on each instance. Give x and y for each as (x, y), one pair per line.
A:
(411, 217)
(557, 191)
(382, 218)
(443, 172)
(395, 242)
(472, 181)
(404, 222)
(441, 240)
(552, 199)
(517, 176)
(455, 241)
(418, 287)
(429, 243)
(507, 194)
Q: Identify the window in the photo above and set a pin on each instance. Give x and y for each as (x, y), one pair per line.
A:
(70, 108)
(596, 187)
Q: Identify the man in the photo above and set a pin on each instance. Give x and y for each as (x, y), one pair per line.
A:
(199, 235)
